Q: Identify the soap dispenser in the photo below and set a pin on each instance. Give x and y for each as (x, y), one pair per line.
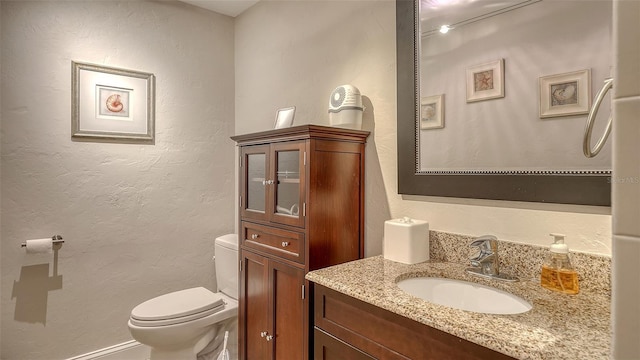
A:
(557, 272)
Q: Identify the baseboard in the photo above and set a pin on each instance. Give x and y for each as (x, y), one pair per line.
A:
(130, 350)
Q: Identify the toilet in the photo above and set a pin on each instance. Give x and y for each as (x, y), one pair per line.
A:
(180, 324)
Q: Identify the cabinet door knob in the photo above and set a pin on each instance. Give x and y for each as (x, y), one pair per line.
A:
(263, 334)
(285, 243)
(254, 236)
(269, 337)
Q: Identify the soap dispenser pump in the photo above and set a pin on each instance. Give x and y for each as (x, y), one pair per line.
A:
(557, 272)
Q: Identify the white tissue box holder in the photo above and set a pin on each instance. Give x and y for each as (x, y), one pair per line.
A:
(406, 240)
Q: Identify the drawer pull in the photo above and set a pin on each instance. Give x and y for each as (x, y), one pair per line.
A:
(254, 236)
(269, 337)
(285, 243)
(263, 334)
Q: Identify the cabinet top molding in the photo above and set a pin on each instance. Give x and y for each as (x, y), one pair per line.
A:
(303, 132)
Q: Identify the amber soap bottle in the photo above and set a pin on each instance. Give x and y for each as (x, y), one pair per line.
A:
(557, 272)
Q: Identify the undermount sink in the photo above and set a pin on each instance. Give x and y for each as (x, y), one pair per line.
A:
(464, 295)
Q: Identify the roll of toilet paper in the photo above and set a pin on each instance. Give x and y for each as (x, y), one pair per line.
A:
(40, 246)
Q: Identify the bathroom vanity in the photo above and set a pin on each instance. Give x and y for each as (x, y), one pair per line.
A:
(301, 209)
(348, 328)
(360, 310)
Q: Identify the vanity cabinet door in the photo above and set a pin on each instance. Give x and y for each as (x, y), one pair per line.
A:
(273, 309)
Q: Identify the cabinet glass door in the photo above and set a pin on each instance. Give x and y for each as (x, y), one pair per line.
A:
(256, 181)
(288, 197)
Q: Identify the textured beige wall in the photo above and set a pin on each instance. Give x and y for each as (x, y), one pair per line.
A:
(138, 220)
(626, 185)
(297, 52)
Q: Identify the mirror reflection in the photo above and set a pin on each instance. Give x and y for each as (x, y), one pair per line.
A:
(505, 86)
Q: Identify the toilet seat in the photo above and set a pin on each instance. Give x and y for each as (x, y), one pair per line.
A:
(177, 307)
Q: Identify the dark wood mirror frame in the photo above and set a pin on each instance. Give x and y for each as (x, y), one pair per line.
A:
(552, 188)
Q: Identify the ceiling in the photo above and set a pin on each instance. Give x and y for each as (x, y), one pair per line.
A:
(231, 8)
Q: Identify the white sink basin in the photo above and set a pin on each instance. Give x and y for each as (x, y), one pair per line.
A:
(464, 295)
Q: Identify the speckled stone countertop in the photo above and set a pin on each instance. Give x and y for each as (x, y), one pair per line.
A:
(558, 326)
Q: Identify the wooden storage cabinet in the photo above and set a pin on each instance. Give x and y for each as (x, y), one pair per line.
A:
(301, 209)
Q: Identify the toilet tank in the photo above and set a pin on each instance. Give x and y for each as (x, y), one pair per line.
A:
(227, 263)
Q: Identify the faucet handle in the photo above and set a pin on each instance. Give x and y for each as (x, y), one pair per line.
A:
(486, 243)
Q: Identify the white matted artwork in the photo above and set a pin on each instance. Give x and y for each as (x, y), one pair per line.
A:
(485, 81)
(432, 112)
(565, 94)
(112, 103)
(284, 117)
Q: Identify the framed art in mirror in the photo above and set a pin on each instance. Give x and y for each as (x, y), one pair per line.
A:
(432, 112)
(485, 81)
(565, 94)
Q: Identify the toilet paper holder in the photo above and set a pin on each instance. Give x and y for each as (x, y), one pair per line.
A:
(57, 239)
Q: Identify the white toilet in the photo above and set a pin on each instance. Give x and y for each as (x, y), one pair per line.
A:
(180, 324)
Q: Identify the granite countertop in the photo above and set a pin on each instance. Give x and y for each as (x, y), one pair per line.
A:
(558, 326)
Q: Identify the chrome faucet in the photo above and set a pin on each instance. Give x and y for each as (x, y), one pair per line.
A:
(486, 263)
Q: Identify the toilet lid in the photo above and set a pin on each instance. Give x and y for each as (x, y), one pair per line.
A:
(179, 304)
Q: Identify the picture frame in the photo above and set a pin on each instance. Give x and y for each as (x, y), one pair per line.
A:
(565, 94)
(485, 81)
(432, 112)
(112, 104)
(284, 117)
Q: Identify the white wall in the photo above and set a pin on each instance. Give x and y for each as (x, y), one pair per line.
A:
(296, 53)
(138, 220)
(626, 184)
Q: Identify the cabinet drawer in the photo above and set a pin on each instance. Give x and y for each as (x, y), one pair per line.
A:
(282, 243)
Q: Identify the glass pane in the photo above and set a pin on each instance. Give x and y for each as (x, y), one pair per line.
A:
(288, 191)
(256, 181)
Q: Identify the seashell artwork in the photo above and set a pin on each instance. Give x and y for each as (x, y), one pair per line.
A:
(564, 93)
(114, 103)
(428, 111)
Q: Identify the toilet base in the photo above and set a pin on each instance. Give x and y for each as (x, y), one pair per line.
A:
(209, 342)
(184, 354)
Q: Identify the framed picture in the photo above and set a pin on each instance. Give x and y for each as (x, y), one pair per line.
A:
(485, 81)
(565, 94)
(111, 103)
(284, 117)
(432, 112)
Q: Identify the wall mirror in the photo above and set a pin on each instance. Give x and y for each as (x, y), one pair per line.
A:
(495, 108)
